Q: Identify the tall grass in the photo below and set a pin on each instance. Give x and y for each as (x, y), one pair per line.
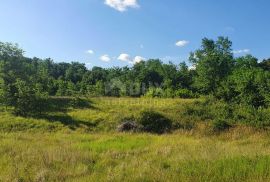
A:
(102, 114)
(81, 144)
(133, 157)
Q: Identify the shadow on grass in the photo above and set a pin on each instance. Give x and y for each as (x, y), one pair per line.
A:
(62, 104)
(67, 120)
(57, 108)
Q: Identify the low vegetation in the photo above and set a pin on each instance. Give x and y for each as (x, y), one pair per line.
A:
(103, 114)
(240, 155)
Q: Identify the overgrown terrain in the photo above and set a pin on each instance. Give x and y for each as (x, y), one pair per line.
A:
(95, 114)
(239, 155)
(153, 121)
(80, 142)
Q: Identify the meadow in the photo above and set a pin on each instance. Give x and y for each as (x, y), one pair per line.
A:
(82, 144)
(101, 114)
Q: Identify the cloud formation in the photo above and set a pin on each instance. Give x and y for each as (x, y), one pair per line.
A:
(243, 51)
(90, 52)
(182, 43)
(124, 57)
(105, 58)
(122, 5)
(138, 59)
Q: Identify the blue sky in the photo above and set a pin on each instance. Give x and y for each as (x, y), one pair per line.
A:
(114, 32)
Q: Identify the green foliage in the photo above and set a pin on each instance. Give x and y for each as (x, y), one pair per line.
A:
(184, 93)
(28, 100)
(25, 84)
(18, 88)
(217, 110)
(154, 122)
(8, 50)
(247, 84)
(219, 125)
(168, 93)
(214, 62)
(265, 64)
(154, 92)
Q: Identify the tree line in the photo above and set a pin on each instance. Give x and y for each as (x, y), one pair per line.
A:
(26, 83)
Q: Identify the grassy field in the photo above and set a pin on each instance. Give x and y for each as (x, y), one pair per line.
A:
(101, 114)
(81, 144)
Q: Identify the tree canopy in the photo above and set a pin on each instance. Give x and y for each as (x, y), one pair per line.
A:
(25, 82)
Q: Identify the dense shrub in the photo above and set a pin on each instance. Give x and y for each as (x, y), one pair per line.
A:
(154, 122)
(28, 100)
(198, 109)
(212, 109)
(185, 124)
(185, 94)
(247, 84)
(249, 115)
(168, 93)
(154, 92)
(219, 125)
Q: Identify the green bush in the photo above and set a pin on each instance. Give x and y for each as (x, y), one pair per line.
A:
(255, 117)
(169, 93)
(154, 122)
(212, 109)
(198, 109)
(220, 125)
(185, 94)
(28, 100)
(246, 85)
(154, 92)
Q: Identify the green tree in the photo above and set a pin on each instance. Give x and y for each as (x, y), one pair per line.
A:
(214, 62)
(265, 64)
(29, 100)
(19, 87)
(248, 84)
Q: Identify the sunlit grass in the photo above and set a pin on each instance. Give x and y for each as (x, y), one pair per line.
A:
(87, 147)
(133, 157)
(104, 115)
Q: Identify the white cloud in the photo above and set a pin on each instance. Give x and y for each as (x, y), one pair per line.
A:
(141, 46)
(138, 59)
(90, 52)
(182, 43)
(122, 5)
(105, 58)
(124, 57)
(243, 51)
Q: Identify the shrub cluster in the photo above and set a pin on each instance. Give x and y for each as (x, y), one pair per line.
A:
(170, 93)
(223, 114)
(147, 121)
